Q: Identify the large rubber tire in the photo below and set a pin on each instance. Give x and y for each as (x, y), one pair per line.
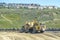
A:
(22, 29)
(34, 30)
(27, 30)
(41, 31)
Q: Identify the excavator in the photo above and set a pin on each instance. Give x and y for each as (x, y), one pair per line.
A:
(33, 27)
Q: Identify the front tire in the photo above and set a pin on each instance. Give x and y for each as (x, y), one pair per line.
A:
(42, 30)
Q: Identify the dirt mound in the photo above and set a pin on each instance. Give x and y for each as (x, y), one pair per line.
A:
(28, 36)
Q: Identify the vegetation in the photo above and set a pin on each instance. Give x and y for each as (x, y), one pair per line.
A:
(15, 18)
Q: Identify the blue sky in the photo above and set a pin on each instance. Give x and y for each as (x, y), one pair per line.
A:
(41, 2)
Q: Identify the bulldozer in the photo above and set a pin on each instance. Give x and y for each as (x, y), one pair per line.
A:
(33, 27)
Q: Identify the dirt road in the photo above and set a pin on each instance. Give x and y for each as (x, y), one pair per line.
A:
(29, 36)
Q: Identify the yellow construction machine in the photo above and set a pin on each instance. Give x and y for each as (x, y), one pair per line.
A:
(33, 27)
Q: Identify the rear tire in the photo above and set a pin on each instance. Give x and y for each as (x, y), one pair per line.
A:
(27, 30)
(22, 29)
(34, 30)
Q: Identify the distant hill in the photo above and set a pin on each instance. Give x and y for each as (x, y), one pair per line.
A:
(15, 18)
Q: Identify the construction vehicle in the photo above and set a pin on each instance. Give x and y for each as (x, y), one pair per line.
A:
(33, 27)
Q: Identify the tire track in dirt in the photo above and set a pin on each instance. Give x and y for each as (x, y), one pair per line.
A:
(25, 36)
(1, 38)
(21, 36)
(5, 37)
(13, 36)
(10, 36)
(37, 37)
(28, 36)
(33, 36)
(52, 35)
(58, 34)
(47, 37)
